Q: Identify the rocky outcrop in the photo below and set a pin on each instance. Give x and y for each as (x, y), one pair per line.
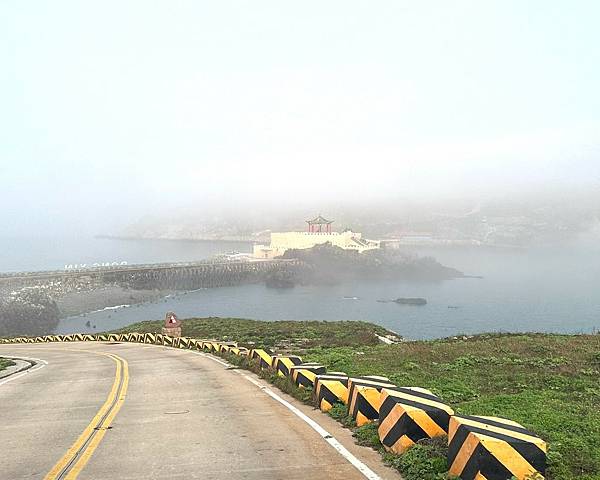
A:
(30, 311)
(328, 264)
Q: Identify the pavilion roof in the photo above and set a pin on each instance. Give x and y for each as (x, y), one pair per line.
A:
(319, 221)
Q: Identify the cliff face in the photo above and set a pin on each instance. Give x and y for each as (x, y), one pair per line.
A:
(327, 264)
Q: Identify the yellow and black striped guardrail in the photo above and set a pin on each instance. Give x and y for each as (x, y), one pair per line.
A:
(407, 415)
(329, 389)
(364, 397)
(283, 363)
(479, 448)
(487, 448)
(304, 375)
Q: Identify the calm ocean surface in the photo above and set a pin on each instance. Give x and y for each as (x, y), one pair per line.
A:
(549, 289)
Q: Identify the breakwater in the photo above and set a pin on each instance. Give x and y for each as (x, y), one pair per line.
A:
(55, 294)
(154, 276)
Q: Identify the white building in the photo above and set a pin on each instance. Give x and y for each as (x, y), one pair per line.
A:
(319, 232)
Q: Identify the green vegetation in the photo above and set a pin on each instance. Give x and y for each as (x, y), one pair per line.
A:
(548, 383)
(285, 335)
(5, 363)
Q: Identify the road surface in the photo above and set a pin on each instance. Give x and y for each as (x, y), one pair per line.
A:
(100, 410)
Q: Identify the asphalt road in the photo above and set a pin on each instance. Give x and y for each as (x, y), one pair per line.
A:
(129, 411)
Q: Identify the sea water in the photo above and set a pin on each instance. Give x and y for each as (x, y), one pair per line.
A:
(544, 289)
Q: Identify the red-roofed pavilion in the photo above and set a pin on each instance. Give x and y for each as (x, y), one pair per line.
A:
(319, 225)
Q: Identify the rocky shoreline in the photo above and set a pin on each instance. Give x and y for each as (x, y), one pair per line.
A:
(81, 303)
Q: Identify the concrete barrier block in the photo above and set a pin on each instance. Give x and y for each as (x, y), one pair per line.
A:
(283, 363)
(263, 356)
(136, 337)
(494, 449)
(240, 351)
(364, 397)
(304, 375)
(149, 338)
(410, 414)
(329, 389)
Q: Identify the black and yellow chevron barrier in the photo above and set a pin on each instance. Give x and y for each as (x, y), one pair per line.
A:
(283, 363)
(263, 357)
(225, 347)
(329, 389)
(304, 375)
(136, 337)
(490, 448)
(149, 338)
(407, 415)
(238, 350)
(364, 397)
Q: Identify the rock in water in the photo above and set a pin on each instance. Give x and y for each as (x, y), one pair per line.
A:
(411, 301)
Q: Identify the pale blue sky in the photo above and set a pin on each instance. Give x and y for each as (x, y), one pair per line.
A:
(121, 107)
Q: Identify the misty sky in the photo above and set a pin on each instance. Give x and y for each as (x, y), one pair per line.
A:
(115, 109)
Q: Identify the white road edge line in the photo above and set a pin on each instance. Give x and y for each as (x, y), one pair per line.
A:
(40, 364)
(360, 466)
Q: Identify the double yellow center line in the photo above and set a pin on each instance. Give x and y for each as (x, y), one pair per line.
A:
(71, 464)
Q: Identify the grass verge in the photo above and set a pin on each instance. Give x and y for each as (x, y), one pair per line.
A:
(5, 363)
(284, 335)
